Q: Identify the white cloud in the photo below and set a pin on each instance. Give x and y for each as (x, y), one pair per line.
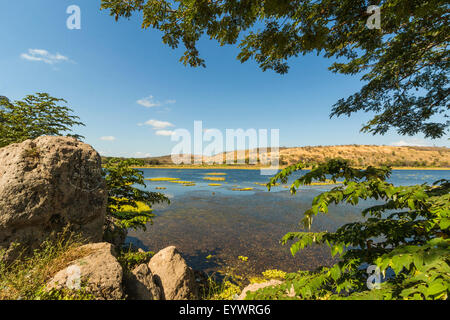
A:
(156, 124)
(166, 133)
(44, 56)
(108, 138)
(150, 102)
(411, 142)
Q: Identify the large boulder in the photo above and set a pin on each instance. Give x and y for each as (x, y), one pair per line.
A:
(99, 273)
(46, 184)
(173, 275)
(140, 284)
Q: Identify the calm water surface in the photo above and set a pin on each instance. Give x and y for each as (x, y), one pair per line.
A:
(205, 220)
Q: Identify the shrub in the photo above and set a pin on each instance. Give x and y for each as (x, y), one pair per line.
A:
(407, 236)
(127, 204)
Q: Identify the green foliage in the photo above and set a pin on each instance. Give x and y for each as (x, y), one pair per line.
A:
(131, 259)
(128, 204)
(232, 278)
(34, 116)
(274, 274)
(407, 233)
(403, 65)
(64, 294)
(222, 290)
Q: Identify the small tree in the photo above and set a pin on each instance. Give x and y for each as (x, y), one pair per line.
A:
(34, 116)
(127, 204)
(407, 234)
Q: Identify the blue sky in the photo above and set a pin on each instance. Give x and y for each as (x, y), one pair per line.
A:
(129, 88)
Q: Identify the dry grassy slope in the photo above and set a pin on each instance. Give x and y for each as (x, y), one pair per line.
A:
(365, 155)
(360, 155)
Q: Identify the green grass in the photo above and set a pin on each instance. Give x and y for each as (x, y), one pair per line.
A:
(26, 277)
(130, 259)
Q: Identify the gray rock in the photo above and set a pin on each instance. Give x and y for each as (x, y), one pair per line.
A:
(113, 233)
(46, 184)
(257, 286)
(173, 275)
(99, 273)
(141, 285)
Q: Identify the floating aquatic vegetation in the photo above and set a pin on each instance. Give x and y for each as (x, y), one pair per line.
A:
(265, 184)
(274, 274)
(242, 189)
(214, 178)
(162, 179)
(140, 207)
(183, 182)
(216, 174)
(215, 184)
(161, 188)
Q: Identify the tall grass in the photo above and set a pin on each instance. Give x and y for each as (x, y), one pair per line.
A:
(26, 277)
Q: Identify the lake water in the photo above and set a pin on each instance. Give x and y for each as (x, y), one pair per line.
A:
(205, 220)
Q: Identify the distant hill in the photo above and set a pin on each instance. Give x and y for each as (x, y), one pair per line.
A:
(359, 155)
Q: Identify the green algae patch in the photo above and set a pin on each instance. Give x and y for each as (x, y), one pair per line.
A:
(183, 182)
(216, 174)
(214, 178)
(261, 184)
(242, 189)
(162, 179)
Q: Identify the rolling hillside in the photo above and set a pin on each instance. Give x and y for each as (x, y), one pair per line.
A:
(359, 155)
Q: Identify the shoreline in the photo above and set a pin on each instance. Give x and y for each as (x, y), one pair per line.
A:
(215, 167)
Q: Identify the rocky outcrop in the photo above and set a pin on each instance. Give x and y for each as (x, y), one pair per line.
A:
(173, 275)
(257, 286)
(140, 284)
(99, 273)
(46, 184)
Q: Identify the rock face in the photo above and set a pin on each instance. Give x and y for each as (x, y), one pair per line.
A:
(99, 273)
(46, 184)
(141, 285)
(173, 275)
(256, 286)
